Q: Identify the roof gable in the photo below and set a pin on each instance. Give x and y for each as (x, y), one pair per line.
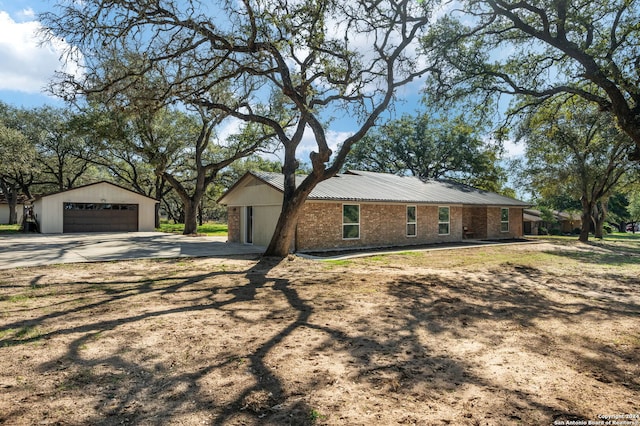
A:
(359, 186)
(104, 182)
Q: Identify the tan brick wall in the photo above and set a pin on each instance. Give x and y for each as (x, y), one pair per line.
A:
(475, 219)
(233, 218)
(320, 226)
(484, 222)
(516, 222)
(493, 223)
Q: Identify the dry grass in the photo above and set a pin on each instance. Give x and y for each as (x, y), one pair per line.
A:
(523, 334)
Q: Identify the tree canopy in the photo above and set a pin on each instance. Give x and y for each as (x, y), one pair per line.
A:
(540, 50)
(574, 149)
(431, 148)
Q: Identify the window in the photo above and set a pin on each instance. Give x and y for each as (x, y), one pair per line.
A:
(443, 220)
(99, 206)
(350, 221)
(411, 221)
(504, 220)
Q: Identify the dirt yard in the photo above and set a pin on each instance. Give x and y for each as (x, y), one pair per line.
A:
(540, 333)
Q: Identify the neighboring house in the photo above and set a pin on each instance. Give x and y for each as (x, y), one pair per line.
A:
(367, 209)
(98, 207)
(4, 209)
(564, 222)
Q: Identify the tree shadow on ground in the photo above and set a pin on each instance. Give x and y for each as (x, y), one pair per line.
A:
(257, 316)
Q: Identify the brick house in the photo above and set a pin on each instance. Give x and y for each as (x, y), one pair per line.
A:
(367, 209)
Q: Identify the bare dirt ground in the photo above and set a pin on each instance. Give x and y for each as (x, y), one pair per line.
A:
(523, 334)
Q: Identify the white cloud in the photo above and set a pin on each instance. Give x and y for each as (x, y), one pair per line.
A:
(308, 144)
(513, 149)
(27, 14)
(27, 65)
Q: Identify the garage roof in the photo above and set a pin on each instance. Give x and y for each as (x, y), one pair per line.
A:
(383, 187)
(97, 183)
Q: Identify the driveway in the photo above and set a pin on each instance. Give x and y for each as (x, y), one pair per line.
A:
(20, 250)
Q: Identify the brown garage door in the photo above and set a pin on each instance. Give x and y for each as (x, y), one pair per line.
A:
(100, 217)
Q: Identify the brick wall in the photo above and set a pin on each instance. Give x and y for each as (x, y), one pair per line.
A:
(320, 226)
(494, 221)
(233, 218)
(475, 219)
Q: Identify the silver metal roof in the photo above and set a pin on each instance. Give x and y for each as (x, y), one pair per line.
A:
(383, 187)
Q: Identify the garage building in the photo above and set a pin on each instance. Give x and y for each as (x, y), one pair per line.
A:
(98, 207)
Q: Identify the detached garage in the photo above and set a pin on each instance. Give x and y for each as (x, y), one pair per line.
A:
(99, 207)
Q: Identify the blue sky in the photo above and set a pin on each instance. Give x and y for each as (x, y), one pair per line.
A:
(26, 66)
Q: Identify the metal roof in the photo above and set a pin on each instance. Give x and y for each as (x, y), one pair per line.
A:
(383, 187)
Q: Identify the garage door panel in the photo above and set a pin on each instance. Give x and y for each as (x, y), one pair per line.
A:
(85, 217)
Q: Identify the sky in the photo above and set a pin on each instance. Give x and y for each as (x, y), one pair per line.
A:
(27, 66)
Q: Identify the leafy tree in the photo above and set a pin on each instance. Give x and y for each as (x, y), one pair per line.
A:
(64, 157)
(541, 50)
(633, 209)
(572, 148)
(17, 156)
(289, 65)
(178, 147)
(18, 166)
(430, 148)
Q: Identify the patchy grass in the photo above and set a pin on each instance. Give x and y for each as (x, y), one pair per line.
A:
(9, 229)
(211, 229)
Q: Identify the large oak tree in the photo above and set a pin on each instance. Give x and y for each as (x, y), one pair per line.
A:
(290, 64)
(543, 49)
(575, 150)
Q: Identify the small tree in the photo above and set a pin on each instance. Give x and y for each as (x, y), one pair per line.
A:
(17, 156)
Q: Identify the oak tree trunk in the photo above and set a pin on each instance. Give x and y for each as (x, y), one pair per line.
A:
(587, 207)
(190, 217)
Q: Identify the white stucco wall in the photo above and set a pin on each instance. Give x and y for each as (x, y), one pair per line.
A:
(266, 202)
(253, 192)
(4, 213)
(49, 209)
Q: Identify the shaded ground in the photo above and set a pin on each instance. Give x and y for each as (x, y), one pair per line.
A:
(526, 334)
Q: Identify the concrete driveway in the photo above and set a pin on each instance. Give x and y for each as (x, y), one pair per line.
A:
(20, 250)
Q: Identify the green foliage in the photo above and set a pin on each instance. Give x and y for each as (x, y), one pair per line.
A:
(575, 152)
(315, 415)
(9, 229)
(540, 50)
(210, 229)
(431, 147)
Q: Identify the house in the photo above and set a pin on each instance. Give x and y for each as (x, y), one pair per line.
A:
(98, 207)
(5, 209)
(367, 209)
(562, 223)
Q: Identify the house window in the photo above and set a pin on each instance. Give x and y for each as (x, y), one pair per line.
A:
(412, 223)
(350, 221)
(443, 220)
(504, 220)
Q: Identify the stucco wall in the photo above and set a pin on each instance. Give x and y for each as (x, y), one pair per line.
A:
(265, 219)
(49, 209)
(253, 192)
(4, 213)
(320, 226)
